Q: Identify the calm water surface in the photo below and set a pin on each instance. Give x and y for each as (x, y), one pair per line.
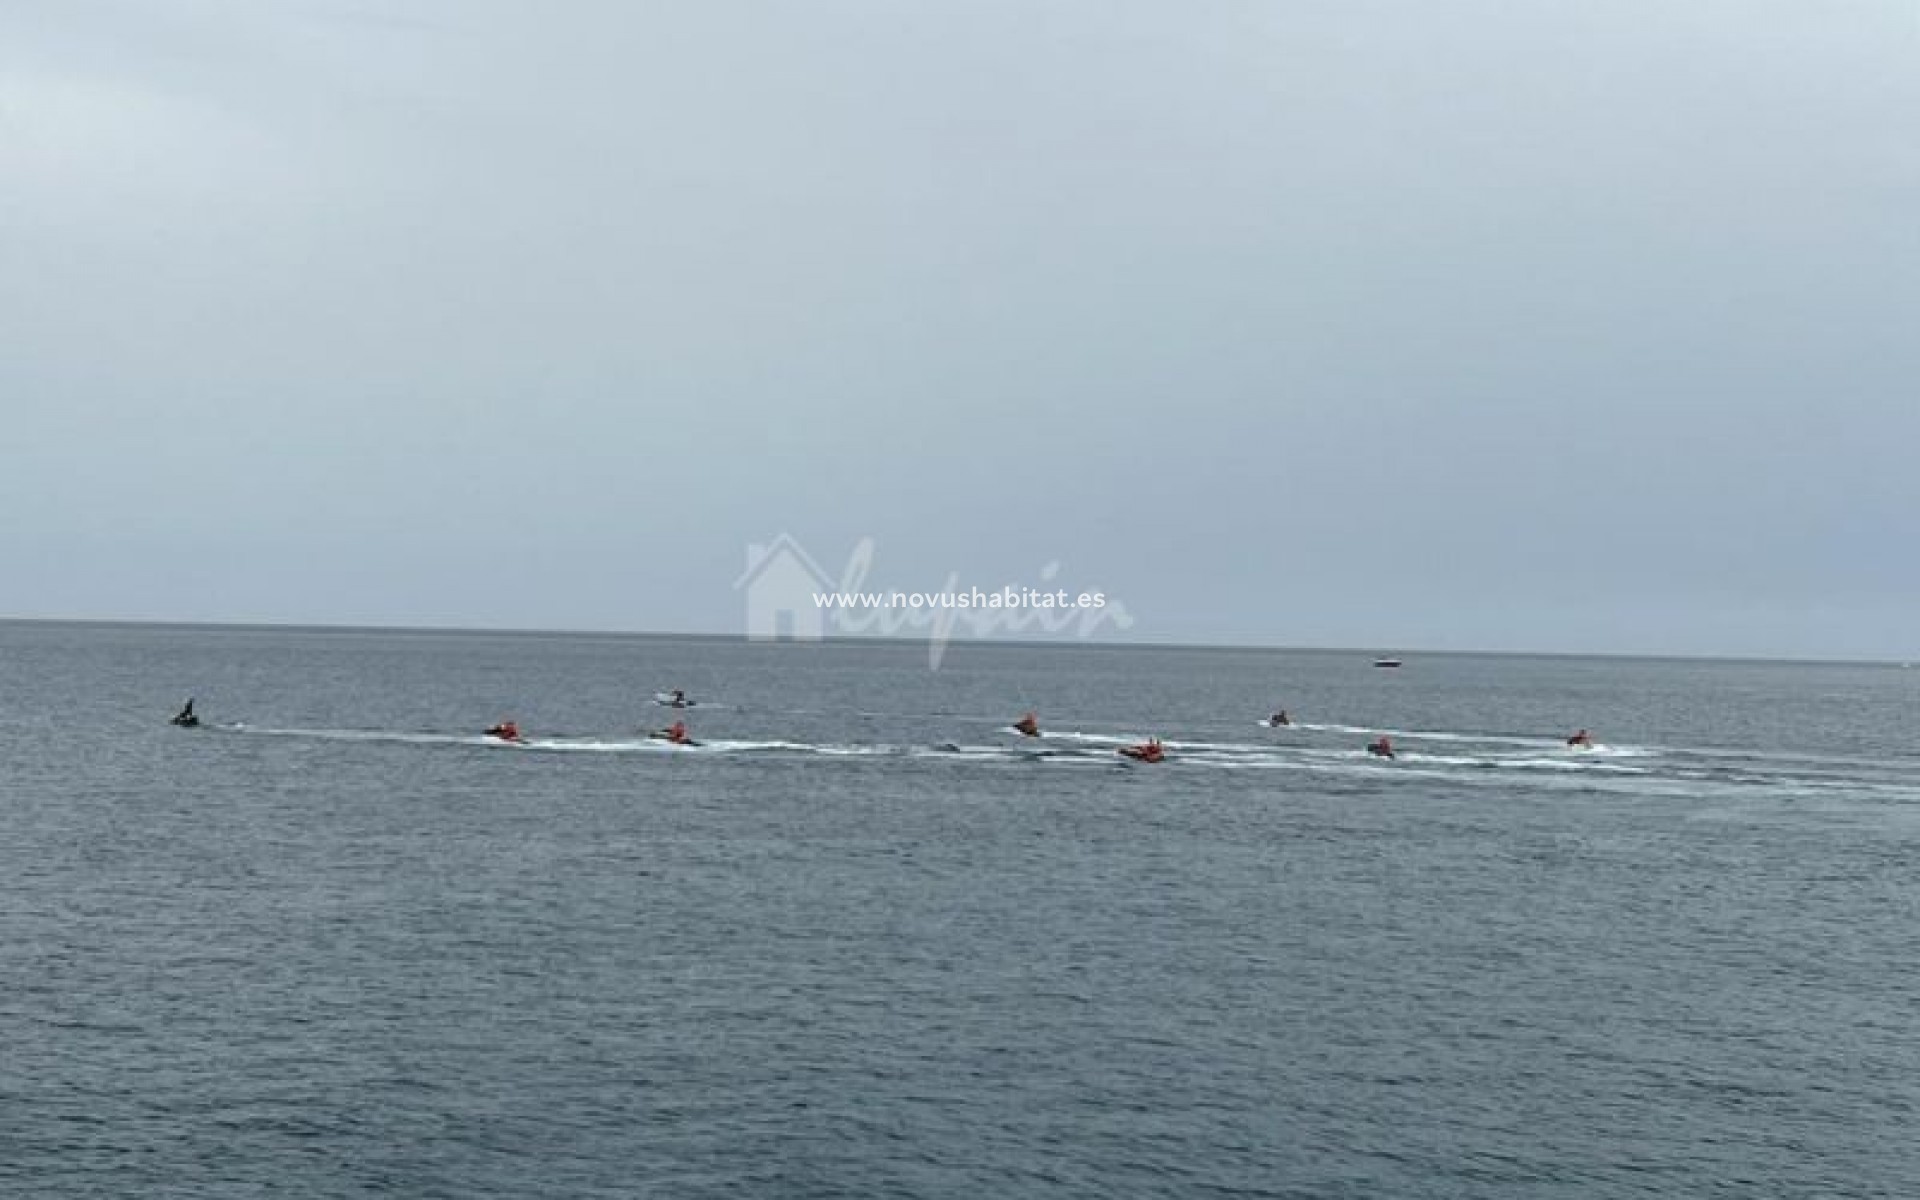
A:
(866, 942)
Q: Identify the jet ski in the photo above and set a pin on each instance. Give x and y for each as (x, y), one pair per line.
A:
(506, 731)
(674, 699)
(1382, 747)
(185, 718)
(1027, 726)
(1279, 720)
(1580, 741)
(1148, 751)
(675, 733)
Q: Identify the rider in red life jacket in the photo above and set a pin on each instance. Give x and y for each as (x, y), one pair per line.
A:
(1147, 751)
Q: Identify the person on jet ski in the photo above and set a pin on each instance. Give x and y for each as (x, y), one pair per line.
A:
(675, 733)
(506, 731)
(185, 718)
(1381, 747)
(1280, 718)
(1028, 725)
(1581, 740)
(1147, 751)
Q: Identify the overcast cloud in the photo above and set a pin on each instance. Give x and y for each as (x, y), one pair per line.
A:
(1466, 325)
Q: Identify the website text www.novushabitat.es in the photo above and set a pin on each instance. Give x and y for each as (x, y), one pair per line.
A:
(1005, 598)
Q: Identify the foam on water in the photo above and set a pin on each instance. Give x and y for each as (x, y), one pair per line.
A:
(1471, 759)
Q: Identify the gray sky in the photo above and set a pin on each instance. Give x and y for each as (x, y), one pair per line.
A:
(1465, 325)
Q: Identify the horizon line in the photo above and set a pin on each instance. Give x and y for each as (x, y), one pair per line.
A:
(1391, 650)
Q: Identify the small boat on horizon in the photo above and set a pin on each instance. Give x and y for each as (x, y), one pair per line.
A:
(1386, 662)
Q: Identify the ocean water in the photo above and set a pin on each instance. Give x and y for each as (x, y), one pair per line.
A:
(866, 942)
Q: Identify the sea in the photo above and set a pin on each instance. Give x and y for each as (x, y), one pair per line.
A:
(865, 941)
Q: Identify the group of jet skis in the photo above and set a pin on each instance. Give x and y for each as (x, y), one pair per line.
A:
(1152, 751)
(509, 731)
(676, 733)
(1149, 751)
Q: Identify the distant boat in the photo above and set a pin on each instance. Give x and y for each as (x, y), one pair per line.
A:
(1386, 662)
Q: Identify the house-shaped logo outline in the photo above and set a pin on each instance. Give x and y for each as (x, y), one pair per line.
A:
(781, 577)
